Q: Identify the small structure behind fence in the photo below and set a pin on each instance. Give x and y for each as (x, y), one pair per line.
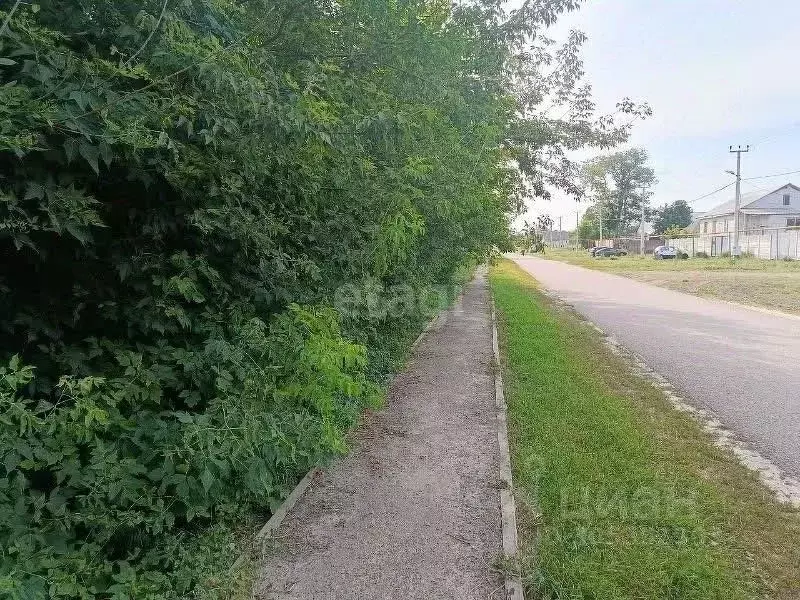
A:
(767, 244)
(559, 239)
(632, 245)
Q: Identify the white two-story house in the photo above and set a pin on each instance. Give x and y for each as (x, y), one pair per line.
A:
(758, 211)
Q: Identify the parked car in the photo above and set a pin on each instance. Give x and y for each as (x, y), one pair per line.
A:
(593, 251)
(611, 252)
(663, 252)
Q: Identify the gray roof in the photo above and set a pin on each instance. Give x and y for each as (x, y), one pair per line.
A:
(775, 210)
(726, 208)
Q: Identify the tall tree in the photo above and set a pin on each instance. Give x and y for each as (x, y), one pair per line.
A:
(589, 227)
(618, 184)
(676, 215)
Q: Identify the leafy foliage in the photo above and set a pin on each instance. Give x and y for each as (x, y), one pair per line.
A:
(184, 186)
(672, 217)
(531, 238)
(589, 226)
(618, 183)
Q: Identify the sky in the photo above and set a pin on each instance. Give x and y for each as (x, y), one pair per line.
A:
(715, 72)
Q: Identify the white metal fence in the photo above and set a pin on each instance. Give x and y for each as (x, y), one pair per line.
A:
(767, 244)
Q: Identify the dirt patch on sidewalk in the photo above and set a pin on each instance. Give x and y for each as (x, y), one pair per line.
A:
(413, 511)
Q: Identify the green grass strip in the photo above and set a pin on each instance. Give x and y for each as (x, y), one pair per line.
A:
(621, 497)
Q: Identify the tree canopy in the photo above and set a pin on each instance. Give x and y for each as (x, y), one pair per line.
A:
(677, 215)
(185, 190)
(589, 226)
(618, 184)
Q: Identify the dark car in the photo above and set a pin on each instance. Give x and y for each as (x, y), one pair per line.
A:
(610, 252)
(596, 249)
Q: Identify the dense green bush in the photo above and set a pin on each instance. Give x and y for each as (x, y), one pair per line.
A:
(184, 186)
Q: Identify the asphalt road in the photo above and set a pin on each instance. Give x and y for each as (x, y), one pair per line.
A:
(742, 364)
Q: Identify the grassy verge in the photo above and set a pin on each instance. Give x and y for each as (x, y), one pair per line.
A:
(211, 557)
(621, 497)
(768, 284)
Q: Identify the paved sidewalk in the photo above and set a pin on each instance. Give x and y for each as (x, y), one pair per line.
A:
(413, 511)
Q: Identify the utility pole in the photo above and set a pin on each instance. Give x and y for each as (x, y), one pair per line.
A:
(600, 212)
(736, 251)
(577, 227)
(641, 228)
(559, 231)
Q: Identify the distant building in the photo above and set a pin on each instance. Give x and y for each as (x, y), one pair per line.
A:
(775, 210)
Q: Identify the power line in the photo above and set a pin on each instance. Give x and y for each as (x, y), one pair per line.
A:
(755, 187)
(703, 155)
(784, 131)
(724, 187)
(768, 176)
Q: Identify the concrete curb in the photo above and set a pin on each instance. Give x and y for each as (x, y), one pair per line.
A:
(508, 509)
(431, 325)
(275, 521)
(280, 514)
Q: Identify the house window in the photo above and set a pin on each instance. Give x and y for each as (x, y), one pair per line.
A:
(793, 222)
(705, 226)
(727, 224)
(787, 199)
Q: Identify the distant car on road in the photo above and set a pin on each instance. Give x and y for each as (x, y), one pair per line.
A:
(610, 252)
(663, 252)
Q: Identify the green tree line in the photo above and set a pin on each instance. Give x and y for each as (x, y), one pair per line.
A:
(617, 185)
(185, 186)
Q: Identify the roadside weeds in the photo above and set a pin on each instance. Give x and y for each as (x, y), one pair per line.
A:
(619, 495)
